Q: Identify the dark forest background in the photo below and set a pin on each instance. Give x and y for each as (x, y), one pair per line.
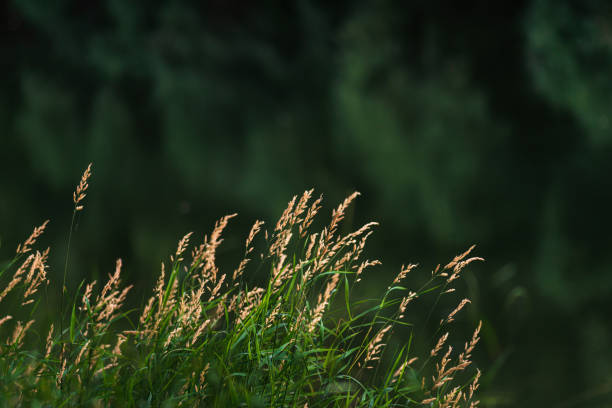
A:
(460, 122)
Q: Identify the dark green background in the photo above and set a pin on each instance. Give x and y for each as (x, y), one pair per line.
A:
(460, 122)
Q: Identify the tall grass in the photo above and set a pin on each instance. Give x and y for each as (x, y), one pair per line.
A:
(205, 338)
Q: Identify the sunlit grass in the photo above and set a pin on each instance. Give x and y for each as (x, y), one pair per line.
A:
(205, 338)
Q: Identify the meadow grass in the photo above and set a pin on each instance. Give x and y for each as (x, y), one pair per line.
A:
(205, 338)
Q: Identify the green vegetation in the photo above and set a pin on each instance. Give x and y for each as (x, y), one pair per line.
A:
(478, 121)
(207, 338)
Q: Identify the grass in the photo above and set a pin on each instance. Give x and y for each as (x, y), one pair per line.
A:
(205, 338)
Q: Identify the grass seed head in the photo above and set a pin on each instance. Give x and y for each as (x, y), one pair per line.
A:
(79, 193)
(27, 245)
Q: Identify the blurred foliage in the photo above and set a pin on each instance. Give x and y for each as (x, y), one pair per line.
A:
(472, 123)
(569, 53)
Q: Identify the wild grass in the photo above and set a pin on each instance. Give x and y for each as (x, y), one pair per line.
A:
(205, 338)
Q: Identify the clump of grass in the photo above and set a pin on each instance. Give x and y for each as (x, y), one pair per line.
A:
(205, 338)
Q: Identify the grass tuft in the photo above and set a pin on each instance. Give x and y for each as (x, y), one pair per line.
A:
(205, 338)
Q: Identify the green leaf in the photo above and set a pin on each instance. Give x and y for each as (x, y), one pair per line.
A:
(346, 298)
(73, 319)
(72, 323)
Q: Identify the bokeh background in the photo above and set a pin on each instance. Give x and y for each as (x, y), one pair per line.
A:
(460, 122)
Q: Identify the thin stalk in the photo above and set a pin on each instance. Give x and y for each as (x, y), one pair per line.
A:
(61, 317)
